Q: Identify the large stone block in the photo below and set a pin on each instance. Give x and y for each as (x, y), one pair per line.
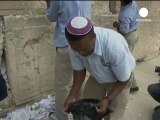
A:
(148, 42)
(30, 59)
(22, 7)
(11, 8)
(20, 22)
(96, 18)
(35, 7)
(100, 7)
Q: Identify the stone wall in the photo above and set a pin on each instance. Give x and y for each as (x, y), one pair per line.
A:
(12, 7)
(31, 55)
(149, 42)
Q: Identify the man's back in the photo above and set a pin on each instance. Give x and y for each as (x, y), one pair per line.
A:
(61, 12)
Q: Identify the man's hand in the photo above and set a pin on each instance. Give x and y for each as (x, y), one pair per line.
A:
(102, 106)
(78, 79)
(68, 102)
(115, 24)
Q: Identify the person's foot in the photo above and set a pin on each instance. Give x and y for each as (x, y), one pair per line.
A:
(134, 89)
(156, 115)
(157, 108)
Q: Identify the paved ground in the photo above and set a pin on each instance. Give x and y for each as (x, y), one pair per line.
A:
(141, 105)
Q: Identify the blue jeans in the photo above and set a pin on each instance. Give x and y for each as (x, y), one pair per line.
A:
(154, 91)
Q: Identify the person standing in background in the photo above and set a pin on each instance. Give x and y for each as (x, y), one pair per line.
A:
(60, 12)
(127, 25)
(3, 85)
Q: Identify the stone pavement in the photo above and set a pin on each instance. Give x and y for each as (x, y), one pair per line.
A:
(141, 105)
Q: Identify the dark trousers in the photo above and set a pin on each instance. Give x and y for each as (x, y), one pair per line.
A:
(154, 91)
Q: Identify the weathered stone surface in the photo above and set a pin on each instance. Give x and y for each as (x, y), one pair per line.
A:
(31, 55)
(20, 22)
(149, 42)
(100, 7)
(22, 7)
(30, 59)
(11, 8)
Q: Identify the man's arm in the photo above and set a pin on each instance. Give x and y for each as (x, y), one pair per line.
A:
(79, 74)
(122, 33)
(113, 93)
(78, 79)
(52, 12)
(122, 25)
(116, 89)
(122, 66)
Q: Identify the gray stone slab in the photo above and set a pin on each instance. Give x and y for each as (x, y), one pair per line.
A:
(30, 61)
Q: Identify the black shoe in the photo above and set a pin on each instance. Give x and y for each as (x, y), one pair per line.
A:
(156, 115)
(134, 89)
(157, 108)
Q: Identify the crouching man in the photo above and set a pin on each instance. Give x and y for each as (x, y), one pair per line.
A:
(104, 53)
